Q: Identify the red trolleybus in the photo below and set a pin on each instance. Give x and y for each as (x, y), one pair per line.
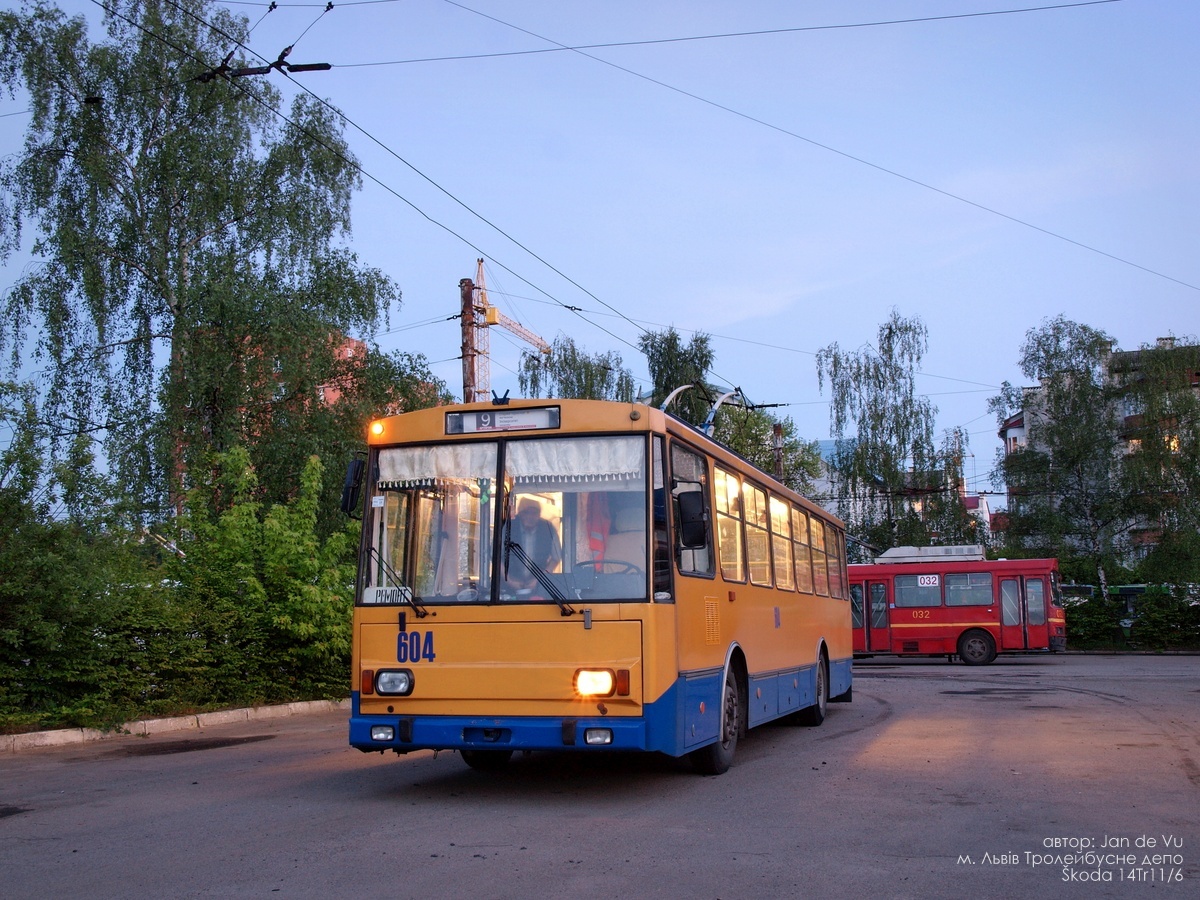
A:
(933, 601)
(585, 575)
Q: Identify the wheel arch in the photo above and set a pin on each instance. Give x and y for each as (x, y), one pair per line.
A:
(739, 670)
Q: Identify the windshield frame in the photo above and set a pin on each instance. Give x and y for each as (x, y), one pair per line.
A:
(418, 491)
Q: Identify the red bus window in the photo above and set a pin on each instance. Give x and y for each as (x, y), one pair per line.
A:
(1035, 596)
(969, 589)
(878, 606)
(1010, 602)
(918, 590)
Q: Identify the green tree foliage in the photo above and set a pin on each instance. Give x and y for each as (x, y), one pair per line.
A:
(885, 469)
(1160, 618)
(569, 372)
(1065, 496)
(1165, 619)
(944, 515)
(193, 290)
(268, 601)
(190, 305)
(85, 638)
(1095, 623)
(96, 628)
(674, 364)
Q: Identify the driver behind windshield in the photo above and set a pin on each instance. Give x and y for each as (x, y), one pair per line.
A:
(538, 539)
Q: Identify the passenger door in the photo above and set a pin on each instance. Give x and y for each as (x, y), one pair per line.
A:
(1037, 631)
(1012, 614)
(879, 636)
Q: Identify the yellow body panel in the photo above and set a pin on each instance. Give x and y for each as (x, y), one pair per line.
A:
(515, 660)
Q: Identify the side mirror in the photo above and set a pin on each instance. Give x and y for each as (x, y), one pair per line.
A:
(693, 521)
(352, 487)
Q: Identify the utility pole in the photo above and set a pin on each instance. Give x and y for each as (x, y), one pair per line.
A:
(777, 447)
(466, 292)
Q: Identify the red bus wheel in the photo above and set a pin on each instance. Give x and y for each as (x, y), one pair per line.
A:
(976, 648)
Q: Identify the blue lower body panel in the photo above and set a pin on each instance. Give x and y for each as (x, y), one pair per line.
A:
(840, 677)
(658, 729)
(409, 733)
(683, 719)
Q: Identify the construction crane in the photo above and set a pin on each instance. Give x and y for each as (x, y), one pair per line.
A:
(477, 316)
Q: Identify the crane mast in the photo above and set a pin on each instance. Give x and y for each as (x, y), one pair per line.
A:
(477, 316)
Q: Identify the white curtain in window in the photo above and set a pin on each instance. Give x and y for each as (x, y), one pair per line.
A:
(411, 466)
(577, 459)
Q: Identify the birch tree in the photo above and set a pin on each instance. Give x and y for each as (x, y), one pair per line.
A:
(192, 279)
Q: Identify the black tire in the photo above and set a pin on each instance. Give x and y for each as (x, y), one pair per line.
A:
(486, 760)
(717, 757)
(815, 714)
(976, 648)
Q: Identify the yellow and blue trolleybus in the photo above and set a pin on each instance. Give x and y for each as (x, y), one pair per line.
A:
(585, 575)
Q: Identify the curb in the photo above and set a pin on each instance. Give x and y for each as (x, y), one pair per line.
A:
(36, 740)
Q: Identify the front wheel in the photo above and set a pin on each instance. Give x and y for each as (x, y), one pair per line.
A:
(716, 758)
(976, 648)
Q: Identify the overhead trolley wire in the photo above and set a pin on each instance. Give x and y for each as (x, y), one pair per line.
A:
(844, 154)
(710, 37)
(187, 53)
(447, 193)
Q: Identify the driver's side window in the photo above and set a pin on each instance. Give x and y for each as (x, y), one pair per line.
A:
(690, 503)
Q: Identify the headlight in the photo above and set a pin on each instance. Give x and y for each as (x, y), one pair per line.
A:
(595, 682)
(394, 682)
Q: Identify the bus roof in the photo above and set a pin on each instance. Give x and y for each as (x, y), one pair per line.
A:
(931, 554)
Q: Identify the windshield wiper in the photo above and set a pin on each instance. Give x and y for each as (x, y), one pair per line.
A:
(539, 574)
(408, 596)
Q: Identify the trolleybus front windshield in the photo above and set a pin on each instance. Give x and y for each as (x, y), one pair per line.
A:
(567, 516)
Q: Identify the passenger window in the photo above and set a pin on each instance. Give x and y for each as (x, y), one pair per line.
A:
(918, 590)
(1035, 601)
(837, 553)
(758, 545)
(729, 525)
(969, 589)
(820, 561)
(804, 575)
(781, 544)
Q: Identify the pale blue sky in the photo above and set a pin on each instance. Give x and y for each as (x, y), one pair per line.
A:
(778, 191)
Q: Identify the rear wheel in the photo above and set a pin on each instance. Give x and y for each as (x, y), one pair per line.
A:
(815, 714)
(716, 758)
(486, 760)
(976, 648)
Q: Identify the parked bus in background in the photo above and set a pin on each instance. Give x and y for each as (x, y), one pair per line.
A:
(585, 575)
(934, 601)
